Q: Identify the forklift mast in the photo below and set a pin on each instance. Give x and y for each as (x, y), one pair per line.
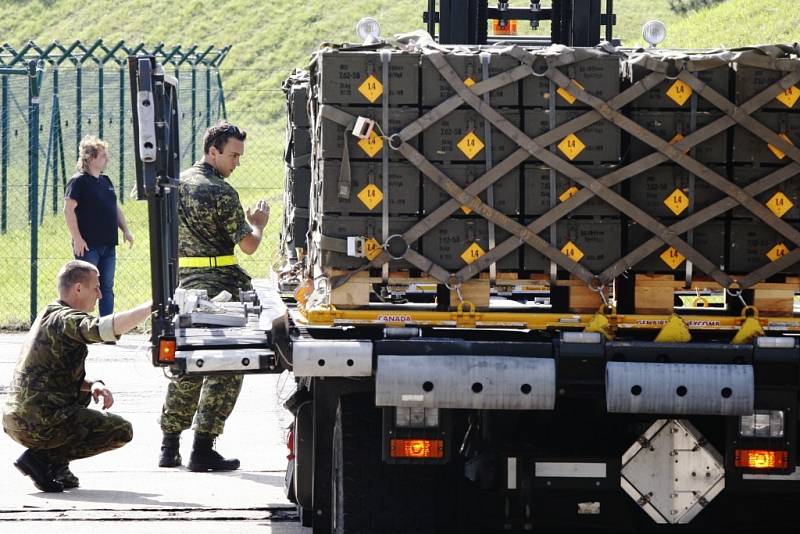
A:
(573, 22)
(157, 154)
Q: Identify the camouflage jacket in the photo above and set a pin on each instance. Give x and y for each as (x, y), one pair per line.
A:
(210, 223)
(47, 380)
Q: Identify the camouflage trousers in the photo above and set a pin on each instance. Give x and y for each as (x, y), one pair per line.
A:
(211, 398)
(83, 433)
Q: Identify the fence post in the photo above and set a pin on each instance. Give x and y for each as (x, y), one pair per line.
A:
(221, 95)
(194, 111)
(208, 96)
(57, 137)
(78, 107)
(4, 155)
(121, 121)
(34, 70)
(100, 104)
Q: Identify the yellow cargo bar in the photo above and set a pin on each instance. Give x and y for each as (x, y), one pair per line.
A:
(468, 317)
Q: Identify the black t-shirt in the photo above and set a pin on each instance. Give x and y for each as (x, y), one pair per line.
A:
(97, 208)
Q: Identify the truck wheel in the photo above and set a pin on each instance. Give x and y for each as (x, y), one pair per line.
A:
(370, 496)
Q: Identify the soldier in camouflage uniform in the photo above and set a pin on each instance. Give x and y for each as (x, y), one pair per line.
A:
(46, 410)
(211, 223)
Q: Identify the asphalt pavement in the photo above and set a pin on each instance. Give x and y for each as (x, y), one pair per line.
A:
(127, 487)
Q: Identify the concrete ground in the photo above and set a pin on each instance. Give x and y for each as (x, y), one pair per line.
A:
(125, 489)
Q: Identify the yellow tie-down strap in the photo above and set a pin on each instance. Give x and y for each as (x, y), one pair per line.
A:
(207, 261)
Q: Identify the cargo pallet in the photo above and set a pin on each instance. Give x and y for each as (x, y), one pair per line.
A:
(617, 229)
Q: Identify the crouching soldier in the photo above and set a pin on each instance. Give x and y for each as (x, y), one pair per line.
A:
(47, 406)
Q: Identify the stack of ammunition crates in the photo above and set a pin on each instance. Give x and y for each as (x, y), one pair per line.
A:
(297, 159)
(364, 190)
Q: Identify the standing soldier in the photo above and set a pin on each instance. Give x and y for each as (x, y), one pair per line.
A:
(211, 223)
(46, 409)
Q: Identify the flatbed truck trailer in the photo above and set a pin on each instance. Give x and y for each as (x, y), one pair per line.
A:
(419, 416)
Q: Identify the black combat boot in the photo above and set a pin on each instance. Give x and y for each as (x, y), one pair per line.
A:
(205, 458)
(170, 450)
(67, 478)
(30, 464)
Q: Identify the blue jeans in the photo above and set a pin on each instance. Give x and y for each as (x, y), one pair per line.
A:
(105, 259)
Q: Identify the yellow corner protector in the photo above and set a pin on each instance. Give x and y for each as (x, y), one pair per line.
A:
(675, 331)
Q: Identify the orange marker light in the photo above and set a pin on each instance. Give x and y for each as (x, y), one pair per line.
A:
(509, 29)
(417, 448)
(762, 459)
(166, 350)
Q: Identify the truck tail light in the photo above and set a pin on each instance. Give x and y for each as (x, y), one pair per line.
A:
(166, 350)
(417, 448)
(761, 459)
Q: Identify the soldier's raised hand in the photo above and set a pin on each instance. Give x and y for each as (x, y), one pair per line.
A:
(98, 390)
(259, 216)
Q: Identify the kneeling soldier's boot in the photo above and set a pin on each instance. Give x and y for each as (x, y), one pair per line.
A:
(67, 478)
(205, 458)
(170, 450)
(30, 464)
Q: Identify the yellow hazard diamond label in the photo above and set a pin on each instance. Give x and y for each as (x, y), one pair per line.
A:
(370, 196)
(777, 151)
(572, 251)
(571, 146)
(672, 257)
(372, 144)
(473, 252)
(566, 95)
(568, 194)
(469, 82)
(779, 204)
(466, 210)
(372, 249)
(777, 252)
(677, 139)
(371, 89)
(789, 97)
(470, 145)
(679, 92)
(677, 201)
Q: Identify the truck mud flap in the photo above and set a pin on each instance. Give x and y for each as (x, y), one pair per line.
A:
(673, 388)
(470, 382)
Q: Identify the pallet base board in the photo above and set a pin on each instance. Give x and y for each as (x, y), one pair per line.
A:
(656, 293)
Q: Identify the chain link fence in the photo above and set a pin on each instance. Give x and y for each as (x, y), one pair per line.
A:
(50, 97)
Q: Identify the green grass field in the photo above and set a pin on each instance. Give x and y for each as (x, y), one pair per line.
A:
(269, 39)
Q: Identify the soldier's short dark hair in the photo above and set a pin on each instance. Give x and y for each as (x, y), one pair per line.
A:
(73, 272)
(219, 134)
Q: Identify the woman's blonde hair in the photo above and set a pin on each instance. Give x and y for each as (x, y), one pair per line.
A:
(89, 148)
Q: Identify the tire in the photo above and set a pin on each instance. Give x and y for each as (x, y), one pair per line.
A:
(369, 496)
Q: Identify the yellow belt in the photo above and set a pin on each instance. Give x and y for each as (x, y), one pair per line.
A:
(207, 261)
